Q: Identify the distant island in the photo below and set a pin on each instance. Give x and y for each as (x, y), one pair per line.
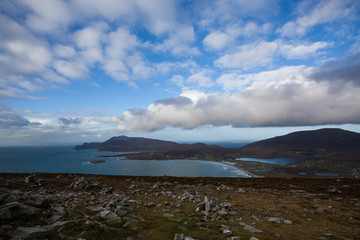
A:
(329, 150)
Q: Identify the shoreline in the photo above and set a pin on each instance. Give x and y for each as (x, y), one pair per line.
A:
(251, 175)
(243, 170)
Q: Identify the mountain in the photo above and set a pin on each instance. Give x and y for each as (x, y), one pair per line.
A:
(124, 143)
(328, 141)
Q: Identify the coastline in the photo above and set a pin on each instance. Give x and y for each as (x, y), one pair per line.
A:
(251, 175)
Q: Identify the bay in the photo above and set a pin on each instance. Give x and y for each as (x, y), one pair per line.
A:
(280, 161)
(64, 159)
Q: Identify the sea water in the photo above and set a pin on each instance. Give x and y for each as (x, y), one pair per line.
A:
(64, 159)
(281, 161)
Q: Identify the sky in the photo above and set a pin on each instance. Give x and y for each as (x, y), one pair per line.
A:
(74, 71)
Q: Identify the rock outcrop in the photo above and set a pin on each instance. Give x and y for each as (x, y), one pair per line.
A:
(211, 210)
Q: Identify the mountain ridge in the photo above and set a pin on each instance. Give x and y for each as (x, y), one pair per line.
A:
(124, 143)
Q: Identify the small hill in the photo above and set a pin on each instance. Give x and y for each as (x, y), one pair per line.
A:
(124, 143)
(327, 141)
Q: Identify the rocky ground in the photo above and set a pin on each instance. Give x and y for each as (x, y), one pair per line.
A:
(71, 206)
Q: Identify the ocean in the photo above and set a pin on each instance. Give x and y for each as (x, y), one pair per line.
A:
(64, 159)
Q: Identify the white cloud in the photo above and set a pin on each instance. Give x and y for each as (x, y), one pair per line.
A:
(258, 54)
(302, 51)
(63, 51)
(225, 11)
(217, 40)
(47, 16)
(89, 40)
(323, 12)
(220, 39)
(123, 60)
(177, 80)
(73, 70)
(109, 9)
(249, 56)
(201, 79)
(278, 100)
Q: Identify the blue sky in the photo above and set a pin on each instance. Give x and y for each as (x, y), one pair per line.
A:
(85, 70)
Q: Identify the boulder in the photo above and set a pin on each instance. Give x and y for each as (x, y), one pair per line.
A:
(8, 197)
(179, 236)
(212, 210)
(252, 229)
(39, 201)
(5, 214)
(31, 179)
(273, 219)
(84, 183)
(29, 233)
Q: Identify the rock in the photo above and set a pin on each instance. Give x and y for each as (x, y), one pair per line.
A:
(168, 215)
(114, 221)
(26, 210)
(253, 238)
(252, 229)
(321, 210)
(8, 197)
(84, 183)
(182, 228)
(107, 214)
(234, 238)
(200, 207)
(97, 161)
(54, 218)
(224, 188)
(150, 204)
(273, 219)
(31, 179)
(179, 236)
(211, 210)
(29, 232)
(39, 202)
(287, 221)
(188, 238)
(225, 229)
(157, 186)
(5, 214)
(255, 218)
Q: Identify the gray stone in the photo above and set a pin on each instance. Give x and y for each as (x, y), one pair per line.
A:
(255, 218)
(106, 214)
(114, 221)
(31, 179)
(321, 210)
(179, 236)
(234, 238)
(27, 210)
(85, 183)
(150, 204)
(157, 186)
(273, 219)
(252, 229)
(182, 228)
(29, 232)
(188, 238)
(54, 218)
(222, 212)
(253, 238)
(5, 214)
(8, 197)
(287, 221)
(168, 215)
(11, 205)
(39, 202)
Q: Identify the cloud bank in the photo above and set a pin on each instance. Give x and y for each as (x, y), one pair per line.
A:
(289, 96)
